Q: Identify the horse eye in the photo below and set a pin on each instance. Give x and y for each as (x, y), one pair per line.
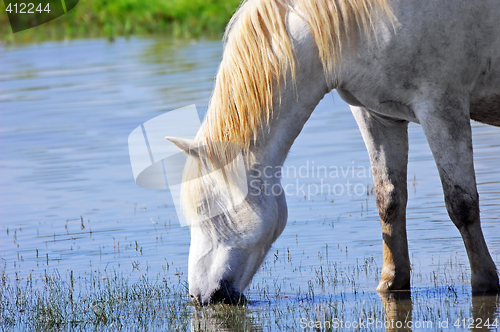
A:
(253, 173)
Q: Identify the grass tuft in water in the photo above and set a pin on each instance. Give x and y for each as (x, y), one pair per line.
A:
(334, 295)
(96, 301)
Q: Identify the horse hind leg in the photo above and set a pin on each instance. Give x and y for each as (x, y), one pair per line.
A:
(446, 124)
(387, 144)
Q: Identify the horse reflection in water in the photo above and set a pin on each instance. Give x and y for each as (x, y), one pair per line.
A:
(399, 315)
(398, 307)
(436, 63)
(223, 318)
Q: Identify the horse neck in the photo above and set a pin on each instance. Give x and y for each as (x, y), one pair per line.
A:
(294, 100)
(297, 98)
(289, 117)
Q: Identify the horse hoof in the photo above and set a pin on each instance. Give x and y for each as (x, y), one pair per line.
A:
(393, 285)
(485, 283)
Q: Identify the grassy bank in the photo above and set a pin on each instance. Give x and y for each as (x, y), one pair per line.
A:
(112, 18)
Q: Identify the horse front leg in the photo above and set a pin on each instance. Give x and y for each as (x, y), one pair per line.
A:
(446, 124)
(387, 143)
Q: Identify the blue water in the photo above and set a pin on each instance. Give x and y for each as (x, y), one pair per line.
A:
(68, 200)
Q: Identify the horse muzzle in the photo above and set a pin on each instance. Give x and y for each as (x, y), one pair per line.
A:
(225, 293)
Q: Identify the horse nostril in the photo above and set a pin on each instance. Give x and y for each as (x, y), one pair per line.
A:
(196, 299)
(227, 294)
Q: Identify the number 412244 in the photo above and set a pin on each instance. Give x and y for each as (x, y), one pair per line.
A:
(27, 8)
(475, 323)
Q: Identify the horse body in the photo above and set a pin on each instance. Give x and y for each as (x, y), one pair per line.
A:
(436, 63)
(434, 46)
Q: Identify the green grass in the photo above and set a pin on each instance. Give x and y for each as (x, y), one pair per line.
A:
(112, 18)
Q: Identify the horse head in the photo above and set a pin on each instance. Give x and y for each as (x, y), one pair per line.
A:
(235, 210)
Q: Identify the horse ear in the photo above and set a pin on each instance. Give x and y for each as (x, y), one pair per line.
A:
(188, 146)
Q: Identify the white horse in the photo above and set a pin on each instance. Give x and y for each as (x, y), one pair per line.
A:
(433, 62)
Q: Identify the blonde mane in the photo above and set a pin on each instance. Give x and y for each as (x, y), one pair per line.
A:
(258, 56)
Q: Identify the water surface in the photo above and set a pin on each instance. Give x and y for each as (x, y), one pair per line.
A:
(68, 201)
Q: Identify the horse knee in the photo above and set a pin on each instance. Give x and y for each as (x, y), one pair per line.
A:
(462, 206)
(391, 202)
